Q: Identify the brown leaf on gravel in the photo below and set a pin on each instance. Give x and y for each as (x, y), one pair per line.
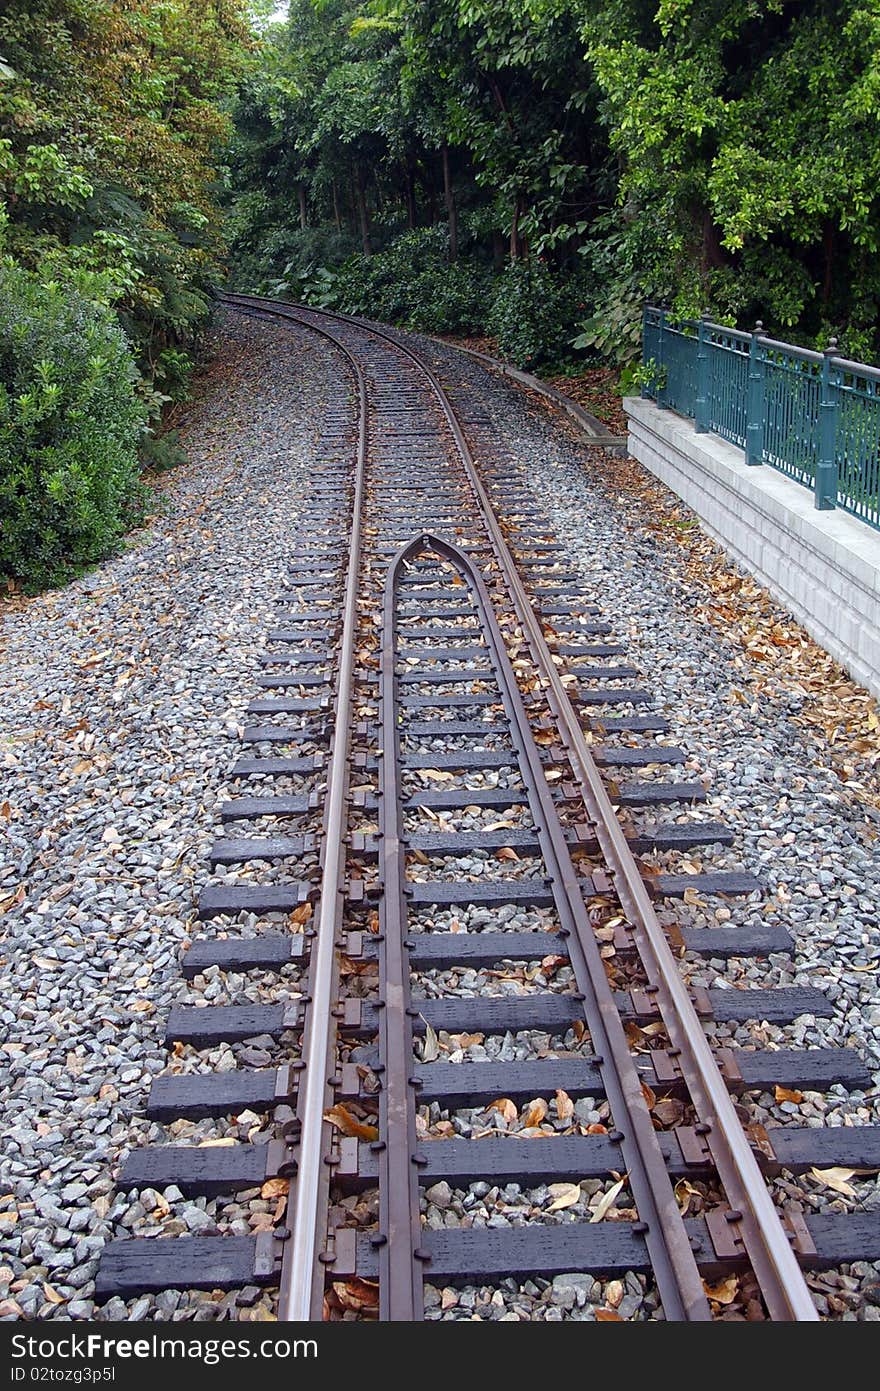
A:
(608, 1316)
(783, 1094)
(13, 900)
(564, 1106)
(357, 1294)
(275, 1187)
(342, 1118)
(301, 915)
(536, 1112)
(724, 1292)
(506, 853)
(669, 1111)
(505, 1108)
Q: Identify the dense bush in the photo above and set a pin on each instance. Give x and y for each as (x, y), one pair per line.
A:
(534, 313)
(70, 425)
(412, 283)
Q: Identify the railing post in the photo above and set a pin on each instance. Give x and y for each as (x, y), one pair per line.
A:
(664, 371)
(826, 462)
(646, 354)
(755, 403)
(701, 402)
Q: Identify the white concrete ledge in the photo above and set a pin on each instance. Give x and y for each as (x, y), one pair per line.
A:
(824, 567)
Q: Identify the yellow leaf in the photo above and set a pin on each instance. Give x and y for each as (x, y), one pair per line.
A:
(607, 1202)
(724, 1292)
(783, 1094)
(564, 1195)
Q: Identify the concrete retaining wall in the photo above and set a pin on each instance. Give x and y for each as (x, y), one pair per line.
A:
(824, 567)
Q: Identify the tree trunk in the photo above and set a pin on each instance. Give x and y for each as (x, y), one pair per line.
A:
(515, 241)
(303, 218)
(361, 200)
(409, 186)
(828, 278)
(451, 210)
(499, 251)
(337, 216)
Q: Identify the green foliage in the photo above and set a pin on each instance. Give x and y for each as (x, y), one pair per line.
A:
(110, 119)
(412, 283)
(70, 425)
(720, 155)
(533, 313)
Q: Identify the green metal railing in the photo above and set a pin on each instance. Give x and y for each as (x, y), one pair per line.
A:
(814, 416)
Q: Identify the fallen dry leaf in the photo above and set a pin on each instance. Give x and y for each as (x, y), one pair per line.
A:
(275, 1187)
(564, 1106)
(837, 1179)
(607, 1201)
(505, 1108)
(783, 1094)
(357, 1294)
(431, 1044)
(724, 1292)
(301, 915)
(341, 1117)
(608, 1316)
(564, 1195)
(536, 1112)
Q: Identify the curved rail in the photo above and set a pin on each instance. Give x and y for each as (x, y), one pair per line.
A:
(752, 1217)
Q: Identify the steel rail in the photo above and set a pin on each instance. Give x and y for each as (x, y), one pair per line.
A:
(302, 1278)
(755, 1219)
(400, 1276)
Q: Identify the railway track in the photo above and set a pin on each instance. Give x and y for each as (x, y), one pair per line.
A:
(446, 722)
